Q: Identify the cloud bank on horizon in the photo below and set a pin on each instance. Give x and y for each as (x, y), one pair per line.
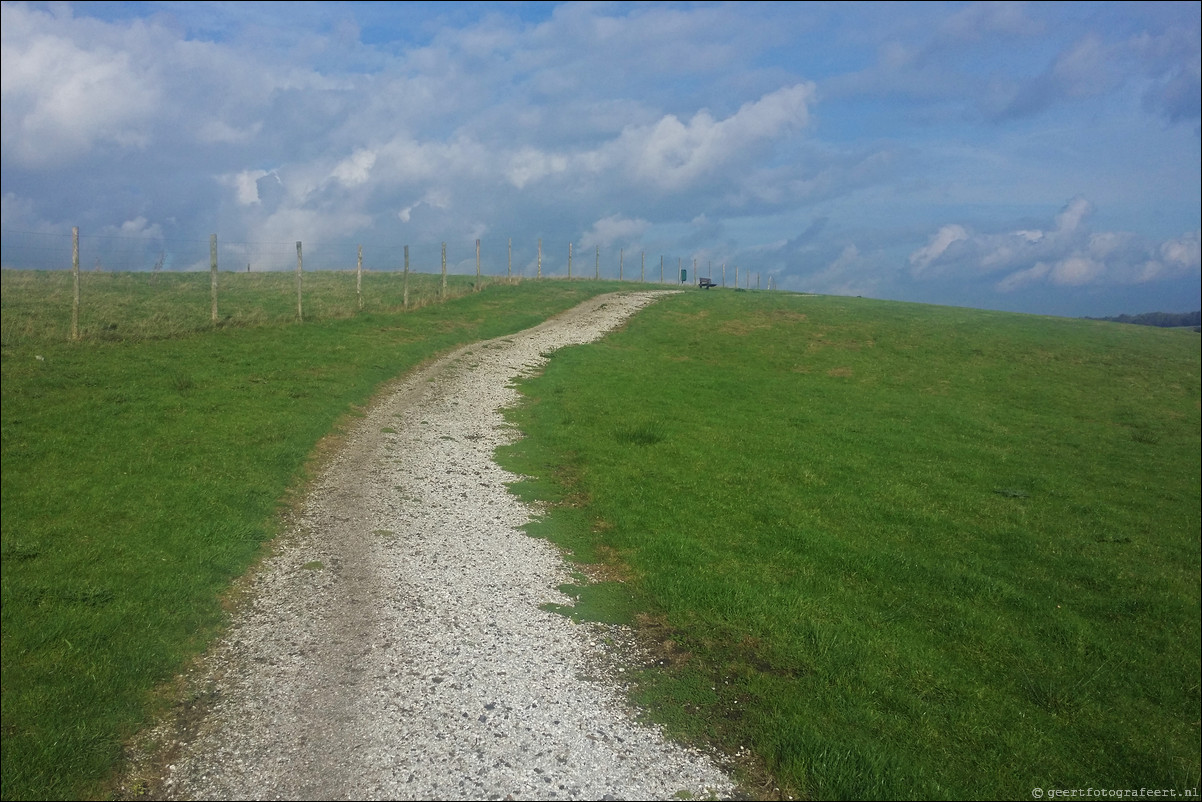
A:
(1028, 157)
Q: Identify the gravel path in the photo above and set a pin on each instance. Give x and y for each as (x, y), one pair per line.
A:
(393, 647)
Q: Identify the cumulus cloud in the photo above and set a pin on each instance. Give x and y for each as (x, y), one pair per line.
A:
(140, 227)
(529, 164)
(61, 96)
(437, 198)
(1183, 253)
(670, 154)
(1065, 254)
(1070, 219)
(713, 130)
(1176, 257)
(933, 251)
(245, 185)
(355, 170)
(614, 230)
(1020, 278)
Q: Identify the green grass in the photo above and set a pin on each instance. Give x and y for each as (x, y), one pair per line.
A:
(893, 550)
(145, 465)
(896, 551)
(124, 306)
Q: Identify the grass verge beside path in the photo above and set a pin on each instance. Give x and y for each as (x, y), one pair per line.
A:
(895, 551)
(141, 476)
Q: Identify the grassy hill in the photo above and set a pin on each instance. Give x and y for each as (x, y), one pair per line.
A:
(146, 464)
(888, 550)
(894, 551)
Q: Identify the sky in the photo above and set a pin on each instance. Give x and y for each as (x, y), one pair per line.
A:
(1028, 157)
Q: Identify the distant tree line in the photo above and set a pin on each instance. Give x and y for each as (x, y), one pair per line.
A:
(1168, 320)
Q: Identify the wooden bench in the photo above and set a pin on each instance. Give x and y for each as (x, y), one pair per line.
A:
(706, 283)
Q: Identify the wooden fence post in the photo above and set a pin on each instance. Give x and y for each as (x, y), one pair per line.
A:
(75, 283)
(477, 265)
(300, 315)
(643, 268)
(509, 264)
(443, 295)
(359, 279)
(213, 275)
(621, 261)
(540, 257)
(405, 283)
(569, 260)
(661, 268)
(597, 268)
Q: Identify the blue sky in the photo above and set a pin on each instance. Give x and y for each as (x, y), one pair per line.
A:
(1039, 157)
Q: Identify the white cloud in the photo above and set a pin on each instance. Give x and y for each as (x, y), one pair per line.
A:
(1021, 278)
(614, 230)
(245, 185)
(1183, 253)
(1107, 244)
(1066, 254)
(436, 198)
(140, 227)
(355, 170)
(943, 239)
(530, 164)
(304, 225)
(694, 128)
(1073, 216)
(671, 154)
(1173, 259)
(61, 98)
(1076, 270)
(954, 249)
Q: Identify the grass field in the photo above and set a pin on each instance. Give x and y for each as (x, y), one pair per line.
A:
(894, 551)
(145, 464)
(890, 550)
(126, 306)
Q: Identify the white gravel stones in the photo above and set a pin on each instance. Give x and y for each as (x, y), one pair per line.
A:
(394, 647)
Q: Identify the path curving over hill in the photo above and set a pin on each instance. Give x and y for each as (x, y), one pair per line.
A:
(394, 646)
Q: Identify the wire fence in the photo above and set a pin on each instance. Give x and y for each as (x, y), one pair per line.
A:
(115, 285)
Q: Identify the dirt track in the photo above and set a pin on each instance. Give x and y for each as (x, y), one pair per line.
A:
(393, 647)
